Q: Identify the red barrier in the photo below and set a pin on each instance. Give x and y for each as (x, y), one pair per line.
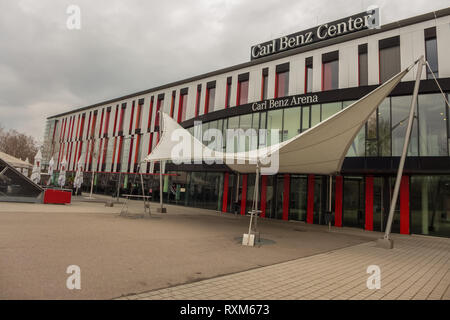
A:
(57, 196)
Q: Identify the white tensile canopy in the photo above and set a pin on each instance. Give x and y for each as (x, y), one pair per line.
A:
(319, 150)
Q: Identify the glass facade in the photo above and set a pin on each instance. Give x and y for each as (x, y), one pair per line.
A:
(430, 205)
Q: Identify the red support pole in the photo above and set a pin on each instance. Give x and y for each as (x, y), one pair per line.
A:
(225, 192)
(244, 194)
(404, 205)
(286, 190)
(263, 195)
(310, 205)
(369, 203)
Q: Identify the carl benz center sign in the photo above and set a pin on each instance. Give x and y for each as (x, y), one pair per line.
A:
(364, 20)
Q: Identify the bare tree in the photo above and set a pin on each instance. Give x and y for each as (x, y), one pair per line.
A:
(18, 144)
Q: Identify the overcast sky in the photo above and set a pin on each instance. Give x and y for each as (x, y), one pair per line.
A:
(128, 46)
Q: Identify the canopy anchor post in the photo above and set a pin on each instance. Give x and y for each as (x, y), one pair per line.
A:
(387, 241)
(248, 239)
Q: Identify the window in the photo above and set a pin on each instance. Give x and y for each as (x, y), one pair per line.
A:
(159, 105)
(150, 113)
(357, 148)
(363, 67)
(308, 74)
(139, 114)
(291, 122)
(400, 114)
(315, 114)
(228, 92)
(131, 118)
(432, 125)
(274, 122)
(305, 118)
(282, 80)
(431, 52)
(384, 128)
(330, 71)
(172, 103)
(242, 89)
(121, 119)
(197, 100)
(182, 105)
(264, 83)
(329, 109)
(389, 55)
(210, 96)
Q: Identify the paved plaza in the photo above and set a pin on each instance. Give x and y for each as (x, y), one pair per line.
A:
(417, 268)
(193, 253)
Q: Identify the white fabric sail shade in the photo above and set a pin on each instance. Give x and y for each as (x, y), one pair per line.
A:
(319, 150)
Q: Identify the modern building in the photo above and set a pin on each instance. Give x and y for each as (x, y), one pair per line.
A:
(323, 70)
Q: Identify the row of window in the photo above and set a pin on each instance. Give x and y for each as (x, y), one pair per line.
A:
(389, 65)
(383, 135)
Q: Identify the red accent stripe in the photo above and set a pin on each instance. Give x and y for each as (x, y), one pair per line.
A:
(172, 105)
(287, 181)
(262, 86)
(404, 205)
(206, 101)
(306, 78)
(322, 85)
(225, 192)
(276, 86)
(244, 194)
(310, 205)
(197, 102)
(227, 90)
(238, 94)
(263, 195)
(369, 203)
(338, 201)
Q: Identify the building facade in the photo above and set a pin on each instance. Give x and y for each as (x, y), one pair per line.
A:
(112, 138)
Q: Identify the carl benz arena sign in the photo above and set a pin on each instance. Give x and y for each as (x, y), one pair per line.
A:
(364, 20)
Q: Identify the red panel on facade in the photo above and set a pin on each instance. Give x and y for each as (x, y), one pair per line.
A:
(338, 201)
(287, 183)
(57, 196)
(263, 195)
(310, 205)
(404, 205)
(244, 194)
(225, 192)
(369, 203)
